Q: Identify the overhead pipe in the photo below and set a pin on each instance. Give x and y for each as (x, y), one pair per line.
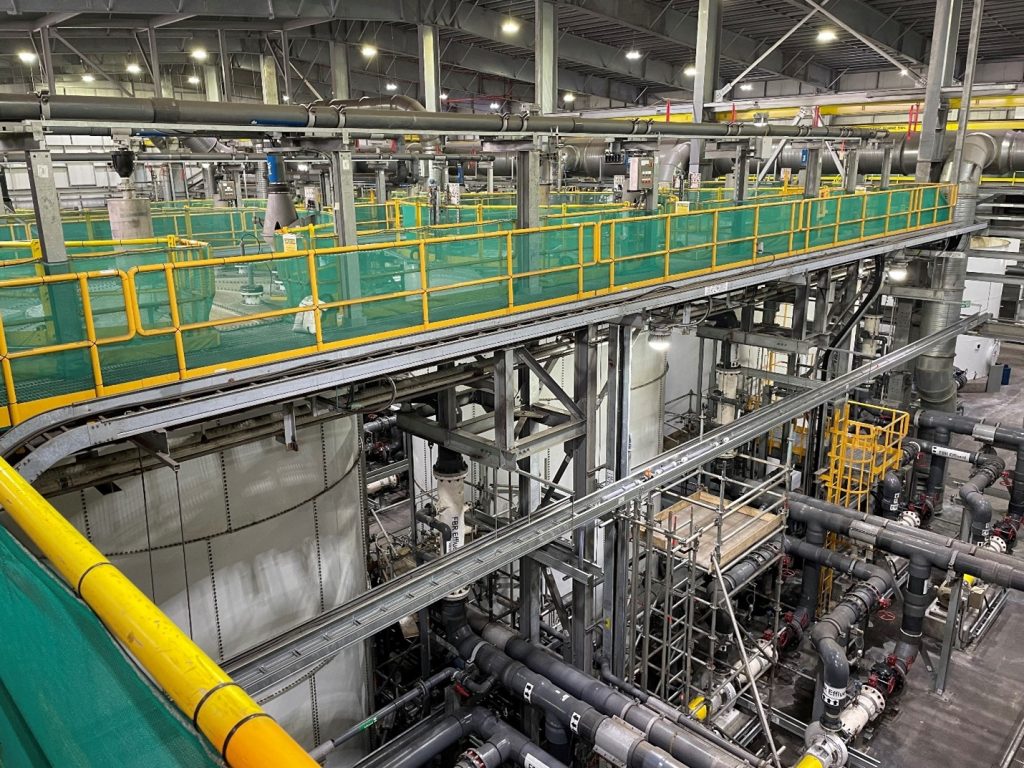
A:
(99, 110)
(240, 731)
(622, 742)
(660, 731)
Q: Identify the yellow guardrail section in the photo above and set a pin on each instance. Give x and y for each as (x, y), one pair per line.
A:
(243, 734)
(400, 287)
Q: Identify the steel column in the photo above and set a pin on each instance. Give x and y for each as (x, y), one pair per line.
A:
(812, 173)
(210, 83)
(46, 205)
(339, 71)
(945, 32)
(545, 59)
(161, 88)
(616, 530)
(963, 113)
(225, 67)
(46, 48)
(430, 68)
(851, 166)
(268, 78)
(709, 35)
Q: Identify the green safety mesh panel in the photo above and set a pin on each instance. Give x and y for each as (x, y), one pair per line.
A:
(467, 269)
(69, 698)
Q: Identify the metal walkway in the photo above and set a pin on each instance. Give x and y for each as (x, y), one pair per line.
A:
(57, 434)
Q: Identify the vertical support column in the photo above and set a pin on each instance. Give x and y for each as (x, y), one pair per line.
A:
(225, 66)
(344, 204)
(963, 114)
(545, 59)
(741, 171)
(851, 167)
(616, 531)
(709, 33)
(583, 461)
(339, 71)
(210, 83)
(430, 68)
(945, 33)
(812, 173)
(209, 181)
(64, 298)
(46, 205)
(528, 187)
(382, 185)
(504, 399)
(161, 88)
(47, 50)
(490, 176)
(268, 76)
(884, 181)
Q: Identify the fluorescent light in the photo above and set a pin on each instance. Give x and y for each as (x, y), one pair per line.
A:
(443, 96)
(133, 69)
(303, 167)
(87, 78)
(659, 339)
(690, 71)
(510, 26)
(633, 54)
(27, 57)
(495, 106)
(391, 86)
(746, 87)
(194, 80)
(827, 36)
(369, 51)
(569, 98)
(199, 54)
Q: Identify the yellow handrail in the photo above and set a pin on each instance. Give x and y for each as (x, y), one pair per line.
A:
(620, 255)
(244, 735)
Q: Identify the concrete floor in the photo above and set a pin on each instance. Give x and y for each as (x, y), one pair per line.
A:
(972, 723)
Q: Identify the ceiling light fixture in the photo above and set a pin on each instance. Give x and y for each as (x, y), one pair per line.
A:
(510, 26)
(199, 54)
(659, 339)
(369, 51)
(746, 87)
(303, 167)
(27, 57)
(827, 36)
(443, 96)
(88, 78)
(905, 72)
(569, 98)
(194, 80)
(286, 97)
(633, 54)
(690, 71)
(133, 69)
(391, 86)
(495, 106)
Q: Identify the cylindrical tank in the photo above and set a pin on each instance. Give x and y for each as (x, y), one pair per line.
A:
(130, 217)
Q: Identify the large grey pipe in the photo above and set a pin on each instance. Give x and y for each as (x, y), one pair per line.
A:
(959, 556)
(99, 110)
(622, 742)
(1011, 438)
(987, 469)
(685, 745)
